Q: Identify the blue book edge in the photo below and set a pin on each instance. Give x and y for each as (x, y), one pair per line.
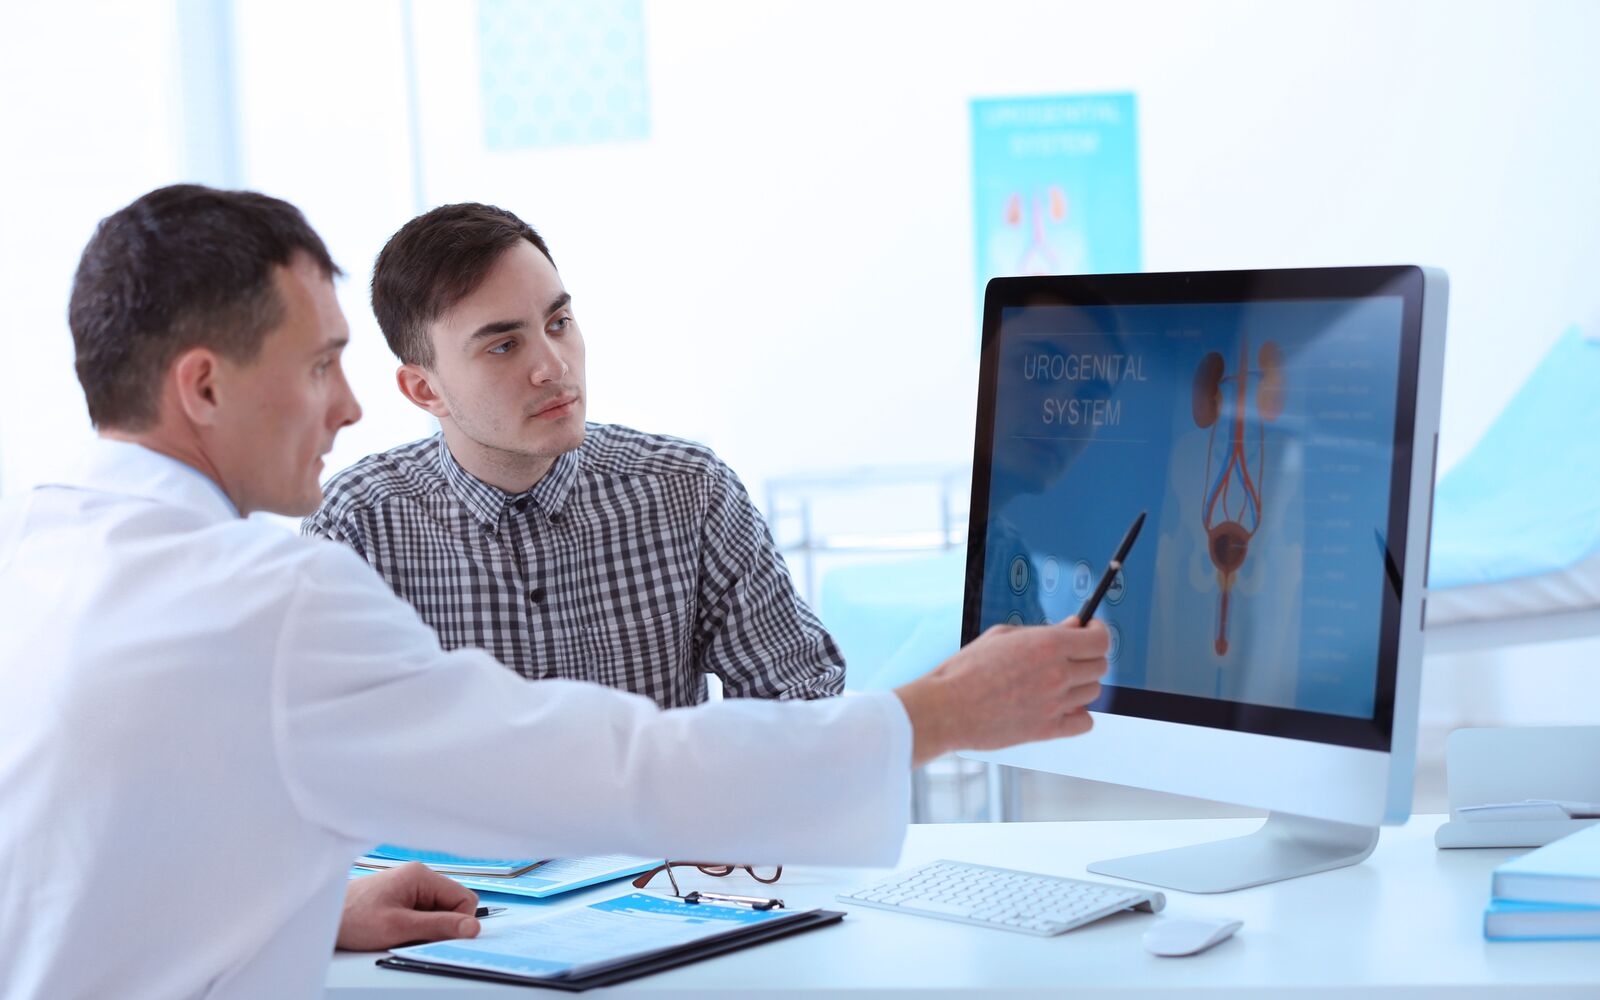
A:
(1562, 871)
(1514, 906)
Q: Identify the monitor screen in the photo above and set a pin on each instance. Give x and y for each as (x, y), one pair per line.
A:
(1261, 421)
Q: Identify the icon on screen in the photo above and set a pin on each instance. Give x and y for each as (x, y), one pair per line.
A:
(1082, 579)
(1019, 575)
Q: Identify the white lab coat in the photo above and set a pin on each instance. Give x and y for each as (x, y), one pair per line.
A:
(204, 718)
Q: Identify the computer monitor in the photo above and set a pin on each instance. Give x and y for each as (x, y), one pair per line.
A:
(1280, 429)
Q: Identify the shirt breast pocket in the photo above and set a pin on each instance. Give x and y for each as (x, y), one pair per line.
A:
(647, 656)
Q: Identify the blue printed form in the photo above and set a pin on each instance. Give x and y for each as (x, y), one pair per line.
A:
(590, 937)
(1055, 186)
(383, 854)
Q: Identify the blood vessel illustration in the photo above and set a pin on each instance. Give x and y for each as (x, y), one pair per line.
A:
(1231, 508)
(1034, 210)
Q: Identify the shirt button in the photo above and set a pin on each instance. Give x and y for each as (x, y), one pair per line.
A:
(536, 595)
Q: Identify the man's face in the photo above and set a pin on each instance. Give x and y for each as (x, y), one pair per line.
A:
(508, 361)
(285, 407)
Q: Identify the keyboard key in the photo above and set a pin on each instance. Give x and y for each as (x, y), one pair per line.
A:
(926, 905)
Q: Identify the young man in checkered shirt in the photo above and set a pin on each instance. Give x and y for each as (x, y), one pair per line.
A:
(571, 550)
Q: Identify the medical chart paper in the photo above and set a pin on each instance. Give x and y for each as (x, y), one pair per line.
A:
(591, 938)
(389, 856)
(563, 875)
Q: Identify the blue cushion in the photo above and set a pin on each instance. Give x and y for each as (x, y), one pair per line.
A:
(894, 620)
(1526, 499)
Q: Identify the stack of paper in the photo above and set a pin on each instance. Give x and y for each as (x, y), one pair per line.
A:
(1550, 894)
(537, 879)
(389, 856)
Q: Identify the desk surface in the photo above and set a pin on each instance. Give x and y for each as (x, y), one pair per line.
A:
(1407, 922)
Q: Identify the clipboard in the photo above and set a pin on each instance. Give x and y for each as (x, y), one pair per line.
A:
(643, 965)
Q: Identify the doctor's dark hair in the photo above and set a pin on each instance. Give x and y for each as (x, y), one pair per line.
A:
(435, 261)
(182, 267)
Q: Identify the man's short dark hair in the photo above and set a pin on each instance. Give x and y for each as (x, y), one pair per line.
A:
(435, 261)
(182, 267)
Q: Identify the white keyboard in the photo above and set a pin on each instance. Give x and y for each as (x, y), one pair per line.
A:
(999, 897)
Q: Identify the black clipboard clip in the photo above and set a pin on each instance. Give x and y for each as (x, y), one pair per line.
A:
(696, 896)
(754, 902)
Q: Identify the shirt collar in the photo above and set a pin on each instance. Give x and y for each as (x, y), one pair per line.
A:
(487, 503)
(129, 469)
(551, 492)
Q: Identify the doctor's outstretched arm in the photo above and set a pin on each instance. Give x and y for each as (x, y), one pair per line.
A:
(386, 737)
(1015, 684)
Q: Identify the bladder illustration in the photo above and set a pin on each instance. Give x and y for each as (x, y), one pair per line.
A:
(1232, 505)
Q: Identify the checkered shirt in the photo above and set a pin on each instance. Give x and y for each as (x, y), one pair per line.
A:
(638, 561)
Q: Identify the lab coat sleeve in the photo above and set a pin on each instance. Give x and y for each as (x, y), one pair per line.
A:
(385, 737)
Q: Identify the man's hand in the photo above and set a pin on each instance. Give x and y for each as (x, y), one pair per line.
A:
(403, 905)
(1015, 684)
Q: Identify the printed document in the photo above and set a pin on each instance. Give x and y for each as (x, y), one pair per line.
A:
(591, 937)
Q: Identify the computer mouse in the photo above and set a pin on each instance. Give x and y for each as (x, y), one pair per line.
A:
(1174, 936)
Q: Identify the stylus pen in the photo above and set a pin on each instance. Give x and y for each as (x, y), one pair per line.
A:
(1087, 611)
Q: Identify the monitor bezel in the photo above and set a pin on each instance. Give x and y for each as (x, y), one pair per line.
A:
(1201, 287)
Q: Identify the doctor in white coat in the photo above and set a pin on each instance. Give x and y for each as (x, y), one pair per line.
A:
(204, 718)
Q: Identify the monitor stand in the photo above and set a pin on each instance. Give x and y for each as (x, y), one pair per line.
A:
(1285, 847)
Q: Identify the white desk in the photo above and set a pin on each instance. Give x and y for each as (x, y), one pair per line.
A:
(1406, 923)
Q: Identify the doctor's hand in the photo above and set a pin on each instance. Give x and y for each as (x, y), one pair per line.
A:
(405, 905)
(1015, 684)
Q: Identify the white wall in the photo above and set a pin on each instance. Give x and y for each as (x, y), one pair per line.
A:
(90, 119)
(785, 267)
(322, 105)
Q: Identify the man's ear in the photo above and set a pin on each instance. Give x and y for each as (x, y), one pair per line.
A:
(193, 381)
(416, 384)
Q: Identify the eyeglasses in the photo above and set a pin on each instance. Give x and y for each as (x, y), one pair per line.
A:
(766, 875)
